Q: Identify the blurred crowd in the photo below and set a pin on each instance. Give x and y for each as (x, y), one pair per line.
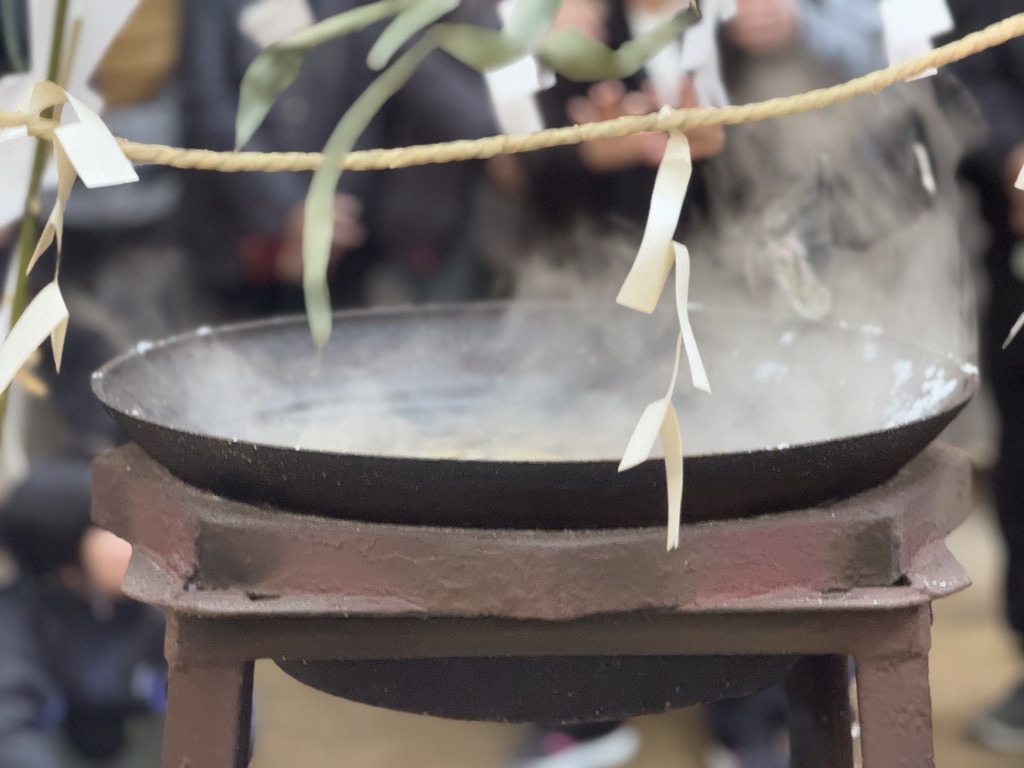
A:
(81, 669)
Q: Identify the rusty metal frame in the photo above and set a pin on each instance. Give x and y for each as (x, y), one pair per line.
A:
(217, 629)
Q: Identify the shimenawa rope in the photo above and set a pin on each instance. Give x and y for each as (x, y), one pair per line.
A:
(482, 149)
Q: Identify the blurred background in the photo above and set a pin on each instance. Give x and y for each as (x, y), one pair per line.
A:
(914, 197)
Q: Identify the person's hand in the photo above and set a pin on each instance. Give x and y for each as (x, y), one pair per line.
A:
(506, 172)
(104, 561)
(348, 233)
(606, 101)
(704, 142)
(763, 27)
(588, 16)
(1014, 196)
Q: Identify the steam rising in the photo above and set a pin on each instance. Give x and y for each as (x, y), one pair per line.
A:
(541, 382)
(832, 300)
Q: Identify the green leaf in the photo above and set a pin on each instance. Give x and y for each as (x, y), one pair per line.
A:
(578, 57)
(530, 21)
(277, 65)
(319, 207)
(410, 21)
(477, 47)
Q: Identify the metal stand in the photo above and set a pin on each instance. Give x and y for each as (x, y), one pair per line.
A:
(852, 579)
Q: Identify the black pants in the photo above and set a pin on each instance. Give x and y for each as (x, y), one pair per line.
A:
(1005, 371)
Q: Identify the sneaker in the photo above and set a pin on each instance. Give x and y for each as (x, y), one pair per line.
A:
(1001, 728)
(558, 749)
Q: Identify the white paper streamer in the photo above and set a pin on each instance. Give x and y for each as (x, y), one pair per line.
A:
(709, 85)
(699, 41)
(513, 88)
(97, 25)
(642, 442)
(659, 419)
(92, 150)
(646, 279)
(908, 27)
(45, 316)
(267, 21)
(924, 165)
(697, 373)
(700, 57)
(1014, 331)
(54, 227)
(664, 75)
(672, 443)
(84, 149)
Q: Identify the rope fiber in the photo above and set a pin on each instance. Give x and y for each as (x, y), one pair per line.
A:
(482, 149)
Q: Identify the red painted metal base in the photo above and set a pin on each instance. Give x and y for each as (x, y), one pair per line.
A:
(855, 578)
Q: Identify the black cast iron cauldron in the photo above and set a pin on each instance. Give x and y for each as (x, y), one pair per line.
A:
(515, 415)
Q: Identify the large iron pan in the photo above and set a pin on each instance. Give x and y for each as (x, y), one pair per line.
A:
(514, 415)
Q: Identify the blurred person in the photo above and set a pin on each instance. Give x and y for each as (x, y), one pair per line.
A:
(996, 79)
(591, 202)
(568, 213)
(598, 195)
(847, 34)
(399, 235)
(82, 673)
(611, 177)
(579, 205)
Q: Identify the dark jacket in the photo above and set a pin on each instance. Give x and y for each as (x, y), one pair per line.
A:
(404, 211)
(30, 702)
(84, 664)
(996, 79)
(61, 665)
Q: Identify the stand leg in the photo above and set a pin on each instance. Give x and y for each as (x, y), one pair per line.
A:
(818, 704)
(209, 710)
(895, 712)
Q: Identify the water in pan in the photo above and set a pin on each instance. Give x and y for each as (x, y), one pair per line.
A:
(510, 390)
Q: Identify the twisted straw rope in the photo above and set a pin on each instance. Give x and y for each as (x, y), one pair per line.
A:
(482, 149)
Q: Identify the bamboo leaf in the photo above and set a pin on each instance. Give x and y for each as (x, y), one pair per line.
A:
(277, 66)
(579, 57)
(46, 315)
(530, 21)
(479, 48)
(402, 28)
(319, 206)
